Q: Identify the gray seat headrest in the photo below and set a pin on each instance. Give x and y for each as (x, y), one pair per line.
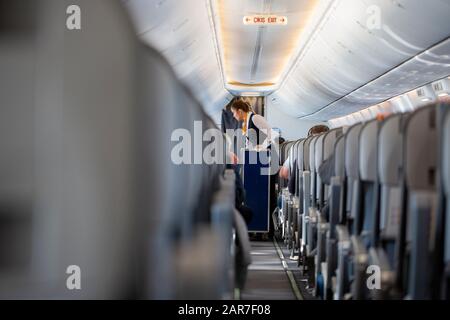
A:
(390, 151)
(306, 149)
(339, 163)
(352, 151)
(368, 140)
(446, 154)
(330, 141)
(300, 155)
(319, 152)
(421, 148)
(312, 154)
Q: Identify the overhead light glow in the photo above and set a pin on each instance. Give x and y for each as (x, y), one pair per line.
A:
(262, 84)
(250, 94)
(226, 38)
(443, 94)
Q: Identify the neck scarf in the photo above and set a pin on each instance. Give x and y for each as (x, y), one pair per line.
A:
(244, 124)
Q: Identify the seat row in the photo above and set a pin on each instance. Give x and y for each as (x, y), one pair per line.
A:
(86, 175)
(378, 226)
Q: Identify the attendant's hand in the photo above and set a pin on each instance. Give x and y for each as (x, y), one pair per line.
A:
(284, 173)
(234, 158)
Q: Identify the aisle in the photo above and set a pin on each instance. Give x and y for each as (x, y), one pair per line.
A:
(267, 277)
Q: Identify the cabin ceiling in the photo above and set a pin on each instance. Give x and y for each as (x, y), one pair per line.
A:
(182, 32)
(328, 61)
(255, 57)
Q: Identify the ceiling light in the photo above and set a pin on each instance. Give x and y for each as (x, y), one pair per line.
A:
(250, 94)
(443, 94)
(261, 84)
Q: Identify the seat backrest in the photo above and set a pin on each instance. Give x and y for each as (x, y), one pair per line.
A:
(312, 166)
(287, 148)
(421, 150)
(421, 164)
(301, 155)
(390, 164)
(160, 117)
(306, 150)
(299, 168)
(339, 157)
(351, 164)
(291, 156)
(282, 152)
(446, 153)
(319, 158)
(339, 173)
(296, 149)
(390, 154)
(74, 156)
(201, 183)
(294, 153)
(446, 180)
(352, 151)
(18, 30)
(290, 145)
(330, 141)
(89, 154)
(368, 145)
(318, 150)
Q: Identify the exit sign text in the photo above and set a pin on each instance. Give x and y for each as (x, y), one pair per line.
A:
(265, 20)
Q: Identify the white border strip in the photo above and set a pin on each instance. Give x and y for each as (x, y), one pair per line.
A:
(294, 286)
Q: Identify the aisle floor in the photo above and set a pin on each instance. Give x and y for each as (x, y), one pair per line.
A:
(267, 279)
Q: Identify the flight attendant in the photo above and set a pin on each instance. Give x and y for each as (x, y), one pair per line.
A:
(255, 129)
(259, 136)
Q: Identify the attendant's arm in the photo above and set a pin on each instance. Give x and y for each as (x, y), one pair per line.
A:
(284, 171)
(264, 126)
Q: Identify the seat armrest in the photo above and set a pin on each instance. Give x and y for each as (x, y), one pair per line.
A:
(343, 235)
(360, 261)
(378, 257)
(344, 249)
(359, 251)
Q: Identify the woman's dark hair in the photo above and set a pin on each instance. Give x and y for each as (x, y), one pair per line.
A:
(241, 105)
(318, 129)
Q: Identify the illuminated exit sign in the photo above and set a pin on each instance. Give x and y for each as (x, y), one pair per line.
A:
(265, 20)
